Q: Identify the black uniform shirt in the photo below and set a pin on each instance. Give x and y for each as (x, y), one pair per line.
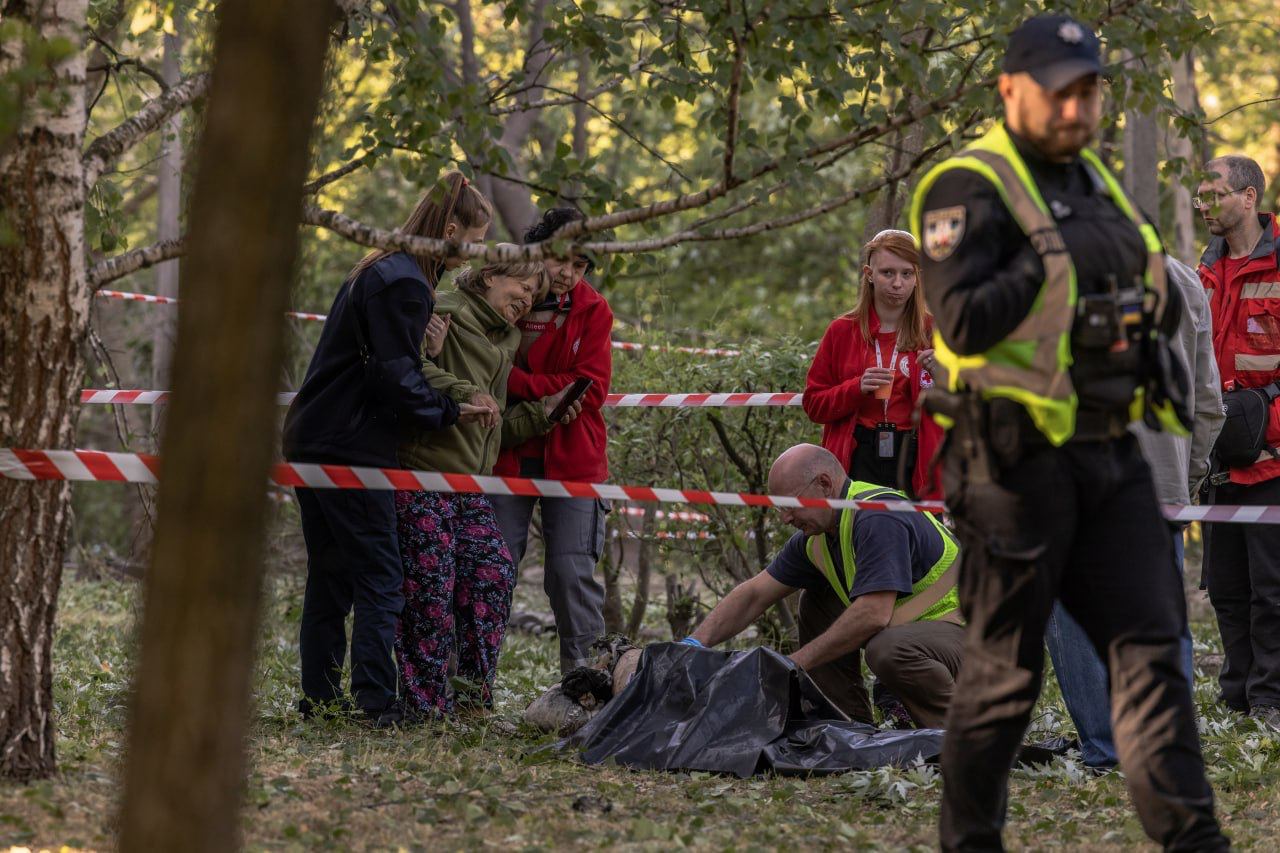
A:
(985, 288)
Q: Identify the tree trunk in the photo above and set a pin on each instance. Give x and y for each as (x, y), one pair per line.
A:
(44, 313)
(168, 224)
(611, 568)
(186, 767)
(1184, 94)
(1141, 160)
(644, 571)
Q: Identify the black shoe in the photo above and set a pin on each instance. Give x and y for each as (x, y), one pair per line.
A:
(1267, 716)
(387, 718)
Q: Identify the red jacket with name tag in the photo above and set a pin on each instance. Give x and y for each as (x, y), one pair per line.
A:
(1246, 327)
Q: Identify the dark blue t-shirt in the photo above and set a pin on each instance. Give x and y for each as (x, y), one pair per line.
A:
(891, 550)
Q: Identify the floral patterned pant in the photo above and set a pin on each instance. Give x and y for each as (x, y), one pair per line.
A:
(458, 581)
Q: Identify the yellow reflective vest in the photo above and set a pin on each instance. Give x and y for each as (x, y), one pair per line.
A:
(1032, 365)
(932, 598)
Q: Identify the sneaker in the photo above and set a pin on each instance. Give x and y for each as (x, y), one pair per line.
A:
(1267, 716)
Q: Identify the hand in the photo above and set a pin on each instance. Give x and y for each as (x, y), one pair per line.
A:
(493, 415)
(575, 408)
(469, 414)
(876, 377)
(928, 360)
(437, 328)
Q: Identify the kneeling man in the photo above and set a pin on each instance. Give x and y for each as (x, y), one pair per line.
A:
(872, 579)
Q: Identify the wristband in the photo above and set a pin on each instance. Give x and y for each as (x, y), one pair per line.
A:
(690, 641)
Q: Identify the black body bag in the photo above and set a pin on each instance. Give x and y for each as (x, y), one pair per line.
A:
(1244, 433)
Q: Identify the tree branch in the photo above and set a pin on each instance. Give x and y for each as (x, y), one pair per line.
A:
(731, 128)
(108, 148)
(337, 174)
(120, 266)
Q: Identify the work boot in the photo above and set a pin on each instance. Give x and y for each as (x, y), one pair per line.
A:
(1267, 716)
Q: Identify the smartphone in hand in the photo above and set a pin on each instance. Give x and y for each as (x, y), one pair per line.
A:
(575, 392)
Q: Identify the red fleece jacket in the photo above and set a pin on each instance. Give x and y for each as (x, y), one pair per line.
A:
(833, 397)
(580, 347)
(1246, 327)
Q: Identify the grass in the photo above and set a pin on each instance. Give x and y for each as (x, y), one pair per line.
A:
(472, 785)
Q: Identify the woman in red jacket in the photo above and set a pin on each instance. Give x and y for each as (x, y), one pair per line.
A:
(870, 368)
(565, 337)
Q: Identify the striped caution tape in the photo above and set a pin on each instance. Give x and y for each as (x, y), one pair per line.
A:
(169, 300)
(137, 397)
(142, 468)
(666, 516)
(303, 315)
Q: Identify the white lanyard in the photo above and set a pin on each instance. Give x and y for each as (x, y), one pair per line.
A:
(893, 360)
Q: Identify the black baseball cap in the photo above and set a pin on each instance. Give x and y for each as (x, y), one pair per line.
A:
(1056, 50)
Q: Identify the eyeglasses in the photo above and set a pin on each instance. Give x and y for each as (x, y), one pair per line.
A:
(1201, 203)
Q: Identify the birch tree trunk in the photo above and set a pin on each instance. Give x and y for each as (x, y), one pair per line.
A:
(186, 766)
(168, 223)
(44, 312)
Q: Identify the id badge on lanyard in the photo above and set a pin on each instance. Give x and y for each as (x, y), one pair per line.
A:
(886, 430)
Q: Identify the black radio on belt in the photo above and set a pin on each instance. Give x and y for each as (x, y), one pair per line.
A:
(1110, 320)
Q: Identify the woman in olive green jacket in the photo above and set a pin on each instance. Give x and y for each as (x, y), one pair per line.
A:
(458, 573)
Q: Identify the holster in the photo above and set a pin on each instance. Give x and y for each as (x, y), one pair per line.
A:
(968, 436)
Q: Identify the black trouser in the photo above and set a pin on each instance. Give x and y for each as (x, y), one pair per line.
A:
(1242, 573)
(353, 560)
(868, 466)
(1081, 524)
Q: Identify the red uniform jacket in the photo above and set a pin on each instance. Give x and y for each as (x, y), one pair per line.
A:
(1246, 327)
(580, 347)
(833, 397)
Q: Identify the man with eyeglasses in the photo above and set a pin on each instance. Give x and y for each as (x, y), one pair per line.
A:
(875, 579)
(1240, 270)
(1052, 317)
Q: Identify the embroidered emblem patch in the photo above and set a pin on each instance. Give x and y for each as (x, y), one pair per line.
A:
(1071, 32)
(904, 365)
(943, 231)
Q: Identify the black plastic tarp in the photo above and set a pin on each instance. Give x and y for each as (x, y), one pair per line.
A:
(737, 712)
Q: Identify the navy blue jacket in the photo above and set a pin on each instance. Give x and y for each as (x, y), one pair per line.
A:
(347, 413)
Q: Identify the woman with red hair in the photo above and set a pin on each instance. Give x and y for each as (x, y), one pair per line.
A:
(873, 362)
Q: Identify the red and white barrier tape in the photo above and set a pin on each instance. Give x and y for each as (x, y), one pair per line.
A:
(169, 300)
(665, 516)
(304, 315)
(143, 468)
(137, 397)
(663, 534)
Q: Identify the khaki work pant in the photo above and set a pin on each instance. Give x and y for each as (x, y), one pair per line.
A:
(916, 662)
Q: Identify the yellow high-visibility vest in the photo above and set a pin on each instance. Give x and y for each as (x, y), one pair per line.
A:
(1032, 365)
(932, 598)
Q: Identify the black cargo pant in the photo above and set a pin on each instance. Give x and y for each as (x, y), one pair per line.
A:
(353, 562)
(1079, 523)
(1242, 574)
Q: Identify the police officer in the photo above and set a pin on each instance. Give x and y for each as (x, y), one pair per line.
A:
(1051, 310)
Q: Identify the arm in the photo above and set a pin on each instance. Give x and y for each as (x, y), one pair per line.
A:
(594, 360)
(827, 396)
(458, 390)
(396, 318)
(1207, 391)
(524, 421)
(742, 606)
(867, 616)
(984, 289)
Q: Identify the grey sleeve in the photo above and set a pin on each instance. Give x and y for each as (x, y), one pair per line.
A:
(1207, 388)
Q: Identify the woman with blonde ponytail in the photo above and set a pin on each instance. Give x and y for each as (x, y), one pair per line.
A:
(363, 386)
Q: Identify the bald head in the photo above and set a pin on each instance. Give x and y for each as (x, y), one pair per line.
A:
(800, 465)
(796, 470)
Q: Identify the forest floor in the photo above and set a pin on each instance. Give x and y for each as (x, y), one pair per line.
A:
(490, 784)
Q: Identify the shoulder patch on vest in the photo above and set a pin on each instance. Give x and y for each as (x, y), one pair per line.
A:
(943, 231)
